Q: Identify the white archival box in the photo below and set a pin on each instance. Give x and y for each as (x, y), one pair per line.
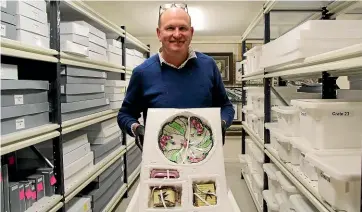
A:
(197, 169)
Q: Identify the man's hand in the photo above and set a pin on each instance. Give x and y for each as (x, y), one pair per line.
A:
(223, 129)
(139, 136)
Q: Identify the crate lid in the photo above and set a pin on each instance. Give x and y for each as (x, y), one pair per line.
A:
(341, 164)
(324, 104)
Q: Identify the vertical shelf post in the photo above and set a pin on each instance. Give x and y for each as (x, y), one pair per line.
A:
(55, 98)
(124, 132)
(267, 105)
(243, 101)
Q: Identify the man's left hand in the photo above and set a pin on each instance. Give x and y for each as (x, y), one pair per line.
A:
(223, 129)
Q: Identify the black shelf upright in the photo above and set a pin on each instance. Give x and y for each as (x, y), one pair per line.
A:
(243, 101)
(124, 132)
(267, 106)
(55, 99)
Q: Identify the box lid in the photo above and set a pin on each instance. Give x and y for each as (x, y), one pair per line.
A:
(24, 84)
(7, 18)
(342, 164)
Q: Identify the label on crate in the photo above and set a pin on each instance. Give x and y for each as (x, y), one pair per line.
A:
(19, 99)
(107, 101)
(19, 124)
(303, 113)
(102, 87)
(21, 194)
(341, 114)
(104, 75)
(3, 30)
(52, 180)
(85, 207)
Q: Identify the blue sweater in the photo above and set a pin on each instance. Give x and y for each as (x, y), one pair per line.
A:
(197, 85)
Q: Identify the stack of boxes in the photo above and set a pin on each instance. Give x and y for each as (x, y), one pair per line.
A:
(134, 159)
(97, 43)
(82, 92)
(134, 58)
(114, 52)
(105, 138)
(8, 21)
(115, 90)
(20, 193)
(74, 38)
(25, 21)
(32, 23)
(105, 186)
(77, 156)
(24, 103)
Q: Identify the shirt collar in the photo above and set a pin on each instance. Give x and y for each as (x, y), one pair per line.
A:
(192, 54)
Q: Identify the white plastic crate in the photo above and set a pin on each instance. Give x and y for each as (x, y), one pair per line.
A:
(288, 189)
(284, 147)
(302, 147)
(271, 202)
(339, 177)
(271, 170)
(257, 183)
(273, 140)
(288, 119)
(250, 93)
(253, 59)
(257, 158)
(327, 122)
(301, 204)
(307, 40)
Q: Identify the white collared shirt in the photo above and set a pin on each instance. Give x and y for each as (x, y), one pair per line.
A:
(192, 54)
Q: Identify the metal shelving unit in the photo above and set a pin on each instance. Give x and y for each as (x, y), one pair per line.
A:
(49, 64)
(327, 67)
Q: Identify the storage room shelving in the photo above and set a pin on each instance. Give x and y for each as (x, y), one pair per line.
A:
(46, 64)
(326, 67)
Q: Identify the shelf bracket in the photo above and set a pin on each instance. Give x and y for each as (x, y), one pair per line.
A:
(41, 156)
(276, 93)
(329, 86)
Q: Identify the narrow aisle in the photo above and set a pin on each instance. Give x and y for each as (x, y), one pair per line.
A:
(238, 187)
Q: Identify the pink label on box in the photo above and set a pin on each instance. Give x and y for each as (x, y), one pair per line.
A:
(11, 160)
(53, 180)
(28, 194)
(21, 194)
(39, 186)
(33, 195)
(1, 178)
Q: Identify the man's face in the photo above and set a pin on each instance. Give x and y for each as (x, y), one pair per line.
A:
(175, 31)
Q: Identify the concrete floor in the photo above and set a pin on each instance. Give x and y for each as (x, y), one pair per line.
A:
(237, 185)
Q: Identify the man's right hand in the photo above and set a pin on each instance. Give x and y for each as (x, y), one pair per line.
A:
(139, 136)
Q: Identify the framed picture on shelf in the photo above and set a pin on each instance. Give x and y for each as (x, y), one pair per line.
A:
(225, 63)
(234, 94)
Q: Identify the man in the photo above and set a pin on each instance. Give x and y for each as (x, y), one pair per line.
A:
(176, 77)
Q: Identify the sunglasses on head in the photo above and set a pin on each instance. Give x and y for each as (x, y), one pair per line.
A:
(165, 7)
